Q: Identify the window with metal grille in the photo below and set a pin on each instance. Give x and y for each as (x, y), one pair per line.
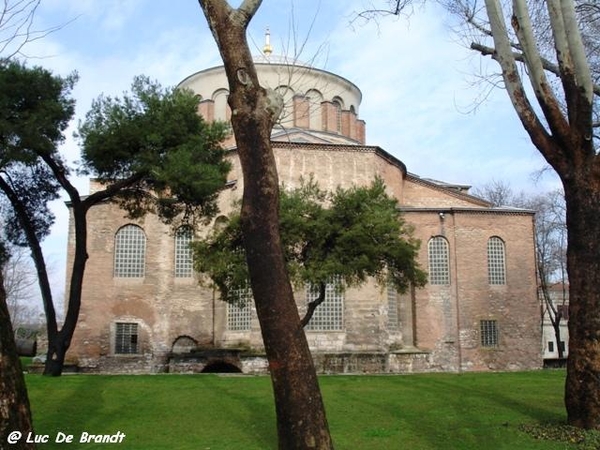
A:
(126, 338)
(130, 252)
(439, 267)
(496, 261)
(489, 333)
(183, 252)
(329, 315)
(239, 314)
(392, 297)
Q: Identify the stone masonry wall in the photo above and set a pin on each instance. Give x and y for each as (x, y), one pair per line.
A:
(439, 325)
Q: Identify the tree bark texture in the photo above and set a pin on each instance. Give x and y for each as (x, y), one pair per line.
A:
(15, 414)
(301, 420)
(582, 390)
(566, 144)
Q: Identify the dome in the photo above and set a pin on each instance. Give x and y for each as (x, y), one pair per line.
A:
(314, 99)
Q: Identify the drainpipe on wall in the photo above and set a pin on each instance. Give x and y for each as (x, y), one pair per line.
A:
(213, 318)
(458, 343)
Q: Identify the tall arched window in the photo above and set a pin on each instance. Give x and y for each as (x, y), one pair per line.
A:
(222, 111)
(183, 252)
(329, 315)
(130, 252)
(392, 298)
(439, 261)
(315, 98)
(339, 105)
(496, 261)
(287, 114)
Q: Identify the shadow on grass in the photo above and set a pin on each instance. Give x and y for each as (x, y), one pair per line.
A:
(243, 407)
(431, 412)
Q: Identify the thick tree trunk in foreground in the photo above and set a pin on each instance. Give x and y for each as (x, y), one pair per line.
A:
(60, 341)
(582, 391)
(301, 421)
(15, 414)
(566, 142)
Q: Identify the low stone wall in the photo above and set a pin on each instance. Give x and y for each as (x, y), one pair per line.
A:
(325, 363)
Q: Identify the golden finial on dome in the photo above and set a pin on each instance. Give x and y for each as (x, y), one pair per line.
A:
(267, 50)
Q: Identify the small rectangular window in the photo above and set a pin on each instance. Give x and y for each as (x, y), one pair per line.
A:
(126, 338)
(561, 346)
(489, 333)
(551, 346)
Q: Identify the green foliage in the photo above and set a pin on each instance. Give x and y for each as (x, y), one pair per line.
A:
(156, 135)
(352, 234)
(35, 110)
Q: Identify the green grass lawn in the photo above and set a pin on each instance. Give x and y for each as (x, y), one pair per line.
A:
(196, 412)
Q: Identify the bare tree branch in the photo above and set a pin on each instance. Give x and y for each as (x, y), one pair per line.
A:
(485, 50)
(17, 27)
(312, 306)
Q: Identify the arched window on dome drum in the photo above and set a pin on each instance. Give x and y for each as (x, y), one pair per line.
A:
(221, 107)
(183, 252)
(439, 261)
(315, 98)
(287, 115)
(496, 256)
(339, 105)
(130, 252)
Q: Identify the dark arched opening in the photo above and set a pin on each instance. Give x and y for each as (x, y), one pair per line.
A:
(221, 367)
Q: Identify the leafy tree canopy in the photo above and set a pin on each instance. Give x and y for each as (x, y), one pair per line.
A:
(35, 110)
(352, 234)
(155, 136)
(150, 150)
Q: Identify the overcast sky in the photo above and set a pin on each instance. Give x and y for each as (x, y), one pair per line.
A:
(421, 100)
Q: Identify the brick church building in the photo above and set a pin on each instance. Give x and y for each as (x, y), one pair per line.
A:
(143, 309)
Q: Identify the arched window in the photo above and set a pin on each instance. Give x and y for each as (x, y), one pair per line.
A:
(287, 114)
(315, 98)
(329, 315)
(392, 298)
(130, 252)
(439, 261)
(496, 261)
(222, 111)
(183, 252)
(339, 105)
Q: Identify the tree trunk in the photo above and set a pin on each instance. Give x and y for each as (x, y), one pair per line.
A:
(560, 348)
(15, 413)
(582, 391)
(55, 356)
(60, 341)
(301, 421)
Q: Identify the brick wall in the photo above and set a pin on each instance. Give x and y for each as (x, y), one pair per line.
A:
(439, 325)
